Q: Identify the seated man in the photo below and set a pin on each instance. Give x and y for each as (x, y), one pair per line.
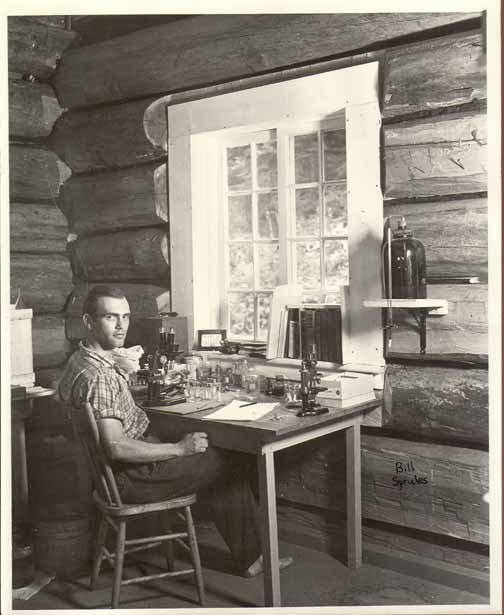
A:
(146, 469)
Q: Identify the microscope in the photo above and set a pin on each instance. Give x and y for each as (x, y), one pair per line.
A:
(310, 386)
(162, 390)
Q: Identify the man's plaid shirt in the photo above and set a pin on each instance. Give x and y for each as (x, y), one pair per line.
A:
(92, 377)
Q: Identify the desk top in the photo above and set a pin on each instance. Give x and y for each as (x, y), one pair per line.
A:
(250, 436)
(21, 393)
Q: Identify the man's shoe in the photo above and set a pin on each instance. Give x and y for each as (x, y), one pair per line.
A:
(258, 566)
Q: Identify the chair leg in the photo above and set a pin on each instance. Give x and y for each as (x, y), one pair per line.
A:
(168, 544)
(98, 555)
(118, 563)
(193, 543)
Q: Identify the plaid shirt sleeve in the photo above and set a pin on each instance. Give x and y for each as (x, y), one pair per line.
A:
(102, 392)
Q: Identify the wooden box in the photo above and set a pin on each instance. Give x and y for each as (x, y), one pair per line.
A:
(21, 347)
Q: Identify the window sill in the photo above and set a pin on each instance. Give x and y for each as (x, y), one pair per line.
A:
(287, 367)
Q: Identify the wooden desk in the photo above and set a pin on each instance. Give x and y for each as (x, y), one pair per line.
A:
(276, 431)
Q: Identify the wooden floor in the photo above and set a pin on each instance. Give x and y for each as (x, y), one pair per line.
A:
(314, 579)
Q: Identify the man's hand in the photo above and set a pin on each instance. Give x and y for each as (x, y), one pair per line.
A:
(121, 448)
(194, 443)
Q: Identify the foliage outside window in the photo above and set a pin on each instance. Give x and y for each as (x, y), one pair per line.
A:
(289, 228)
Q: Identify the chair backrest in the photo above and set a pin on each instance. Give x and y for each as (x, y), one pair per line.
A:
(86, 427)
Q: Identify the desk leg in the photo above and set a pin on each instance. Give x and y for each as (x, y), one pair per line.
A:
(353, 481)
(267, 502)
(19, 472)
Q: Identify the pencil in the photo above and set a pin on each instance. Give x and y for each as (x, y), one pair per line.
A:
(245, 405)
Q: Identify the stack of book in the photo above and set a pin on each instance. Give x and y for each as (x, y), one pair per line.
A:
(308, 325)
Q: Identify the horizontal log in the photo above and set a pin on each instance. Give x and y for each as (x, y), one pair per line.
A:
(416, 80)
(454, 161)
(36, 227)
(124, 256)
(50, 347)
(144, 300)
(35, 173)
(106, 137)
(449, 502)
(33, 109)
(440, 402)
(454, 233)
(327, 531)
(455, 564)
(463, 330)
(45, 281)
(445, 359)
(35, 48)
(117, 200)
(449, 128)
(212, 48)
(58, 21)
(94, 28)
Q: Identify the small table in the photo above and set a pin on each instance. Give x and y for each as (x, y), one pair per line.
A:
(278, 430)
(21, 407)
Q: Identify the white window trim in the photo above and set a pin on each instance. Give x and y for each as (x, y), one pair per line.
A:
(194, 187)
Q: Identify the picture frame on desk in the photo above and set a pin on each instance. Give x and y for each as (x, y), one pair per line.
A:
(211, 339)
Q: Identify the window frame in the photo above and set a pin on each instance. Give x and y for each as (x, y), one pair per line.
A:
(196, 220)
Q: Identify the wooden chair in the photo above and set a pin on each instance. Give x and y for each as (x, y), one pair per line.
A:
(114, 514)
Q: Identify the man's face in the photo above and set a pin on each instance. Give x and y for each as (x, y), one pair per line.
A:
(109, 327)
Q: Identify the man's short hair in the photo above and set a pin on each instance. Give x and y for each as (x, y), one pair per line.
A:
(91, 301)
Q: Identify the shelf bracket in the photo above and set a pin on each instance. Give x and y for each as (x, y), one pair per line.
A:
(418, 308)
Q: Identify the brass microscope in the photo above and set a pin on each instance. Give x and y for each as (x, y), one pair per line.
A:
(310, 386)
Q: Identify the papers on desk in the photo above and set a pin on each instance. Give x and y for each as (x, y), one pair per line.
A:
(239, 410)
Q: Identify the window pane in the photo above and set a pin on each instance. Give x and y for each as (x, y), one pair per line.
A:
(241, 315)
(238, 168)
(336, 262)
(263, 315)
(306, 157)
(267, 164)
(240, 216)
(267, 211)
(241, 266)
(307, 212)
(308, 263)
(268, 264)
(335, 208)
(334, 155)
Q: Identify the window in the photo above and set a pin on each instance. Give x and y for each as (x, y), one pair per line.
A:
(273, 185)
(309, 196)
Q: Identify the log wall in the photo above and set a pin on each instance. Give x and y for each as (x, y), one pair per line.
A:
(40, 268)
(433, 71)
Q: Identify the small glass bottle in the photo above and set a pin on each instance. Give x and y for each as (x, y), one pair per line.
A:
(206, 368)
(252, 381)
(237, 376)
(244, 371)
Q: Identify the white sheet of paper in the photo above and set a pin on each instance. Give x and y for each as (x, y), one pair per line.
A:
(237, 410)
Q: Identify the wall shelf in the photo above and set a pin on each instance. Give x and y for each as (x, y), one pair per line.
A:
(435, 307)
(419, 308)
